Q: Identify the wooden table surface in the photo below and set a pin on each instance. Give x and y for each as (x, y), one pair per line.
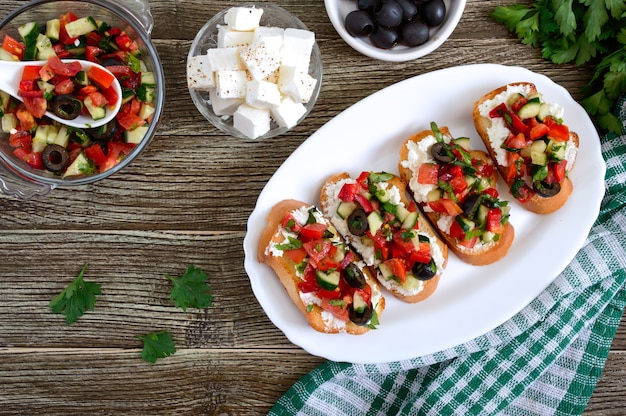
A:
(185, 201)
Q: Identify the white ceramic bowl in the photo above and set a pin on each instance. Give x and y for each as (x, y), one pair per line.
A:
(337, 11)
(273, 16)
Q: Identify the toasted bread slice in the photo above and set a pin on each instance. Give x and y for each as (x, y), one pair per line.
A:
(316, 309)
(487, 247)
(416, 284)
(488, 129)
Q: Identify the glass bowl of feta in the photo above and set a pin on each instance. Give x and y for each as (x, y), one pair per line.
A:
(254, 71)
(38, 154)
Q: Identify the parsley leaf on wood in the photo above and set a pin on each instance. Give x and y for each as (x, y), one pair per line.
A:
(578, 31)
(156, 345)
(78, 297)
(191, 289)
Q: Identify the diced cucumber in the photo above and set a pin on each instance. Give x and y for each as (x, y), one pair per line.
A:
(345, 209)
(81, 26)
(4, 100)
(135, 136)
(80, 166)
(481, 214)
(410, 220)
(529, 110)
(147, 78)
(328, 281)
(375, 221)
(146, 111)
(29, 32)
(538, 154)
(40, 139)
(382, 195)
(385, 271)
(513, 98)
(465, 223)
(411, 283)
(556, 150)
(433, 195)
(53, 27)
(45, 86)
(402, 212)
(358, 303)
(487, 237)
(7, 56)
(539, 173)
(544, 111)
(340, 253)
(78, 47)
(464, 142)
(44, 48)
(63, 136)
(9, 122)
(96, 112)
(81, 78)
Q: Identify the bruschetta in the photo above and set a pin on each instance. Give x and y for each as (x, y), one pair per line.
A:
(373, 214)
(532, 147)
(326, 280)
(455, 187)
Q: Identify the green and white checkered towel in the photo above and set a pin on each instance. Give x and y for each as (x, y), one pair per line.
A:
(546, 360)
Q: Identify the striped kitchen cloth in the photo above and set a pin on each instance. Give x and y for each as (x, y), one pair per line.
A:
(546, 360)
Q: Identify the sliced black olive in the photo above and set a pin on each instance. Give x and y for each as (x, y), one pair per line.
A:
(363, 317)
(66, 107)
(354, 276)
(470, 204)
(546, 190)
(425, 271)
(357, 222)
(104, 132)
(54, 157)
(440, 153)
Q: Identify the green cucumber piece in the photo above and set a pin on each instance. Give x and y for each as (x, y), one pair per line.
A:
(375, 221)
(464, 142)
(44, 48)
(29, 32)
(538, 153)
(328, 281)
(410, 220)
(385, 271)
(411, 283)
(81, 165)
(96, 112)
(81, 26)
(465, 223)
(544, 111)
(147, 78)
(9, 122)
(345, 209)
(556, 150)
(135, 136)
(529, 110)
(358, 303)
(53, 28)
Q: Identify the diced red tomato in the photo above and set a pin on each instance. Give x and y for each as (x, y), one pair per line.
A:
(456, 231)
(32, 158)
(459, 184)
(519, 103)
(428, 174)
(337, 311)
(126, 43)
(499, 111)
(61, 52)
(98, 99)
(93, 39)
(512, 170)
(68, 69)
(13, 46)
(96, 154)
(31, 72)
(289, 223)
(63, 36)
(483, 168)
(46, 73)
(517, 141)
(64, 87)
(445, 206)
(347, 192)
(559, 170)
(93, 52)
(103, 78)
(21, 138)
(111, 96)
(397, 267)
(493, 192)
(296, 255)
(538, 131)
(559, 132)
(27, 121)
(364, 202)
(120, 71)
(494, 220)
(469, 243)
(37, 106)
(421, 254)
(317, 249)
(115, 151)
(313, 231)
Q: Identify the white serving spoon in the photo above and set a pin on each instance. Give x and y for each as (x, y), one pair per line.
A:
(11, 74)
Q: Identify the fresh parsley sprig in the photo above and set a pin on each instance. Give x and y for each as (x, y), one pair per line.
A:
(156, 345)
(191, 289)
(77, 298)
(578, 31)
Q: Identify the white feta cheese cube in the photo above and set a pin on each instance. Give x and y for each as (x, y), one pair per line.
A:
(297, 47)
(223, 106)
(200, 76)
(296, 82)
(231, 84)
(260, 60)
(227, 38)
(272, 37)
(288, 112)
(252, 122)
(262, 94)
(243, 18)
(225, 59)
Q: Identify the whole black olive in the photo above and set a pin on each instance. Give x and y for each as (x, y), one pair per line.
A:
(104, 132)
(361, 318)
(440, 153)
(354, 276)
(425, 271)
(66, 106)
(112, 60)
(359, 23)
(54, 157)
(433, 12)
(546, 190)
(414, 33)
(470, 204)
(384, 37)
(388, 13)
(357, 222)
(367, 5)
(409, 9)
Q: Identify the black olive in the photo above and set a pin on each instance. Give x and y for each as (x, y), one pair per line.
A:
(54, 157)
(357, 222)
(354, 276)
(361, 318)
(440, 153)
(470, 204)
(414, 33)
(359, 23)
(433, 12)
(546, 190)
(66, 107)
(384, 37)
(367, 5)
(425, 271)
(112, 60)
(388, 13)
(409, 9)
(104, 132)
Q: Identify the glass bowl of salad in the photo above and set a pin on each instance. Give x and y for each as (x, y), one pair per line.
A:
(38, 154)
(254, 70)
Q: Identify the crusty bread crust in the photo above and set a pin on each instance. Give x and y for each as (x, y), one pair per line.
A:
(537, 204)
(430, 285)
(284, 268)
(479, 256)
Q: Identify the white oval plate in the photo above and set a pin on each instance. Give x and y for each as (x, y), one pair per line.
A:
(470, 300)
